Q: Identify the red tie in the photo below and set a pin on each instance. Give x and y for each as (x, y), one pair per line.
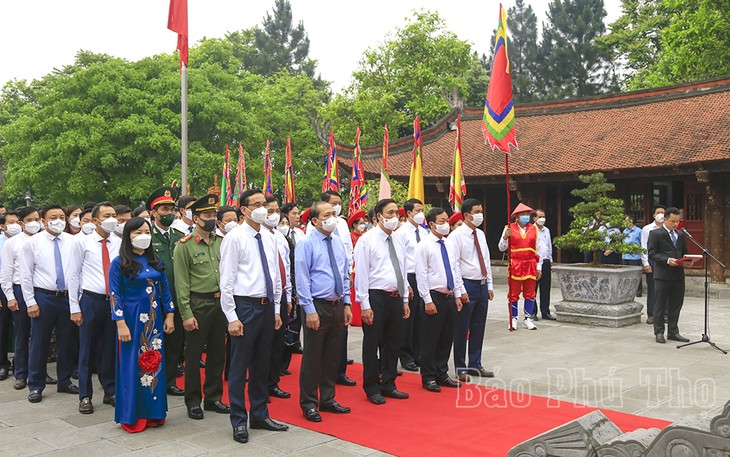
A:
(481, 257)
(282, 271)
(105, 263)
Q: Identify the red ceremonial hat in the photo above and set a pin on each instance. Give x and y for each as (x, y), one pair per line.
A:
(304, 217)
(456, 217)
(357, 215)
(402, 212)
(521, 208)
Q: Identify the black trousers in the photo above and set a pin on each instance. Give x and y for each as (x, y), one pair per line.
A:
(250, 355)
(6, 331)
(174, 343)
(410, 348)
(669, 300)
(98, 338)
(437, 336)
(342, 370)
(210, 337)
(650, 291)
(54, 314)
(382, 337)
(22, 336)
(321, 358)
(543, 286)
(277, 349)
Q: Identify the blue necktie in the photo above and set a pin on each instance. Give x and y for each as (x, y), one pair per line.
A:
(60, 279)
(267, 273)
(339, 289)
(447, 266)
(673, 235)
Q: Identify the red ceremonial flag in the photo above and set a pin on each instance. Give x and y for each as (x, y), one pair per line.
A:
(226, 191)
(457, 186)
(177, 21)
(289, 194)
(268, 190)
(332, 175)
(240, 175)
(358, 193)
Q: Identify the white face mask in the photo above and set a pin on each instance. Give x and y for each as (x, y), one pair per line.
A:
(33, 227)
(75, 222)
(477, 219)
(361, 227)
(120, 228)
(442, 229)
(56, 226)
(189, 214)
(228, 228)
(88, 228)
(283, 229)
(272, 220)
(109, 225)
(338, 210)
(390, 224)
(142, 241)
(13, 229)
(540, 221)
(259, 215)
(419, 218)
(659, 217)
(330, 224)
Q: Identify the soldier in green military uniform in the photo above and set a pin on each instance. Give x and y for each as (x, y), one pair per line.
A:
(161, 205)
(197, 282)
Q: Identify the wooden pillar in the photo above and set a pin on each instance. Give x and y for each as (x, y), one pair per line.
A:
(714, 215)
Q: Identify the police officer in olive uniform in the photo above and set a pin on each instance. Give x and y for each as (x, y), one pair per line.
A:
(197, 282)
(161, 205)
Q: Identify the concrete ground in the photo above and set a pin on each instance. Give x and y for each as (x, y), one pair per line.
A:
(620, 369)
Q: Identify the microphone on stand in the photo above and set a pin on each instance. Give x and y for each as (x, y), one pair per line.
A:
(684, 230)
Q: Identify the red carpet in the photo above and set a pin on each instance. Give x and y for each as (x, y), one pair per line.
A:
(452, 422)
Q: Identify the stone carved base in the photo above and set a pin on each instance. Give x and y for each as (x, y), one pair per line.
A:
(590, 436)
(598, 314)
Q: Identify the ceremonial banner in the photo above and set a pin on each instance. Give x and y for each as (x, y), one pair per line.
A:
(415, 182)
(268, 190)
(384, 177)
(240, 186)
(177, 21)
(289, 194)
(332, 175)
(457, 187)
(358, 193)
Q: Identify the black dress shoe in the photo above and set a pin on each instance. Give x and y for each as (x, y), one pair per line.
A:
(278, 393)
(20, 384)
(69, 389)
(35, 396)
(218, 407)
(397, 394)
(350, 361)
(202, 363)
(194, 412)
(431, 386)
(448, 382)
(297, 350)
(410, 366)
(678, 337)
(312, 415)
(335, 408)
(268, 424)
(345, 381)
(3, 373)
(486, 373)
(376, 399)
(50, 380)
(75, 374)
(548, 317)
(110, 400)
(240, 434)
(660, 339)
(180, 370)
(85, 406)
(175, 391)
(285, 373)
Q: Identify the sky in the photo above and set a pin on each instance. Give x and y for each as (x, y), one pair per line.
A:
(38, 36)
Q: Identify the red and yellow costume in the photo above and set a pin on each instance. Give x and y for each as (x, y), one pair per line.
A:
(523, 263)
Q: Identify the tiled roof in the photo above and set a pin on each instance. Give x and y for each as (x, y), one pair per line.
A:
(668, 127)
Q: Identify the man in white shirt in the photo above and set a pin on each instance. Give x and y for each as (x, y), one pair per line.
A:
(250, 299)
(381, 288)
(44, 272)
(88, 297)
(411, 233)
(470, 245)
(10, 228)
(545, 246)
(185, 223)
(227, 220)
(10, 281)
(442, 290)
(648, 267)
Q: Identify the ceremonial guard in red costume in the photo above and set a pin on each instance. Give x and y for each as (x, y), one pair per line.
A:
(525, 264)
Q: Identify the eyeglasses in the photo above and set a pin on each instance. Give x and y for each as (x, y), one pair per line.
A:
(255, 205)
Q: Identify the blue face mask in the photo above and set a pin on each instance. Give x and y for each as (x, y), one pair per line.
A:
(524, 219)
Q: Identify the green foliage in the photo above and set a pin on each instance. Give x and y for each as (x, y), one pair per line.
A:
(398, 192)
(591, 218)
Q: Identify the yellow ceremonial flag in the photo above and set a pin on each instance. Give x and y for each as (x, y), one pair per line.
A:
(415, 183)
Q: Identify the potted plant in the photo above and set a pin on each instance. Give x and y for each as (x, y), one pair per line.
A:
(598, 294)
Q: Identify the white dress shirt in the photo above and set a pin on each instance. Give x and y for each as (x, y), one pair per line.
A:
(504, 244)
(10, 270)
(343, 232)
(545, 247)
(241, 270)
(373, 267)
(644, 240)
(430, 271)
(284, 253)
(181, 226)
(87, 268)
(38, 263)
(407, 232)
(462, 241)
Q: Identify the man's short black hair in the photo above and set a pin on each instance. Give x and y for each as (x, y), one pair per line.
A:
(97, 208)
(371, 216)
(84, 212)
(671, 210)
(2, 217)
(184, 201)
(433, 214)
(119, 210)
(410, 204)
(271, 199)
(26, 211)
(380, 206)
(243, 201)
(327, 195)
(50, 207)
(225, 209)
(314, 210)
(287, 207)
(89, 205)
(658, 207)
(12, 212)
(469, 204)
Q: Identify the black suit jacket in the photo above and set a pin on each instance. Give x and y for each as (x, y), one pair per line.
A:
(661, 249)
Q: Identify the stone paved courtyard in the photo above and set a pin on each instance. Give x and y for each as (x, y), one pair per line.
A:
(620, 369)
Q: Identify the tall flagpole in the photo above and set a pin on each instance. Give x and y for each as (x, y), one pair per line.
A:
(184, 127)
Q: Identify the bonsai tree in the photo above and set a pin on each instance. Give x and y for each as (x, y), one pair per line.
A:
(599, 220)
